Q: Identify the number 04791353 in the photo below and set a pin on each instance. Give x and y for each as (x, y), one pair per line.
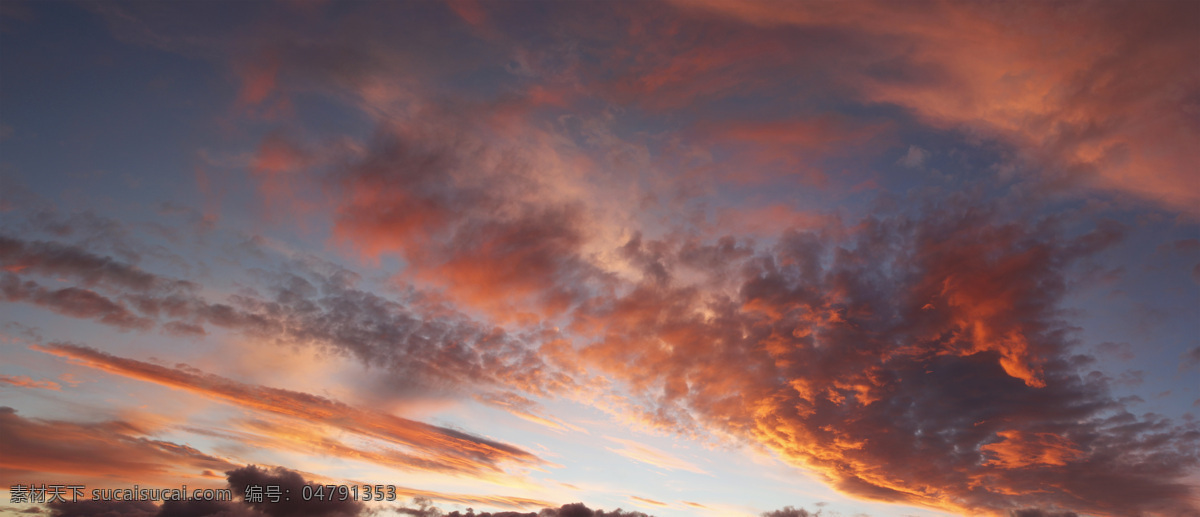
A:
(349, 492)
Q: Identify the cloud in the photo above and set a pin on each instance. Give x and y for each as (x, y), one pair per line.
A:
(72, 301)
(919, 354)
(914, 158)
(649, 455)
(1122, 351)
(1033, 512)
(426, 343)
(1017, 450)
(920, 360)
(431, 447)
(104, 509)
(425, 508)
(24, 381)
(238, 479)
(648, 501)
(468, 216)
(290, 482)
(790, 511)
(1053, 88)
(939, 328)
(789, 148)
(96, 451)
(59, 260)
(1189, 358)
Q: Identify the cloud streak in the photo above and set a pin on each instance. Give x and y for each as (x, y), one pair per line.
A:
(433, 448)
(97, 452)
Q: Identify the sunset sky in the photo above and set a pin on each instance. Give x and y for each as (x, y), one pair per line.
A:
(707, 258)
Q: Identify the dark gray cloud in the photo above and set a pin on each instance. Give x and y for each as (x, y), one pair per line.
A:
(291, 483)
(55, 259)
(422, 507)
(104, 509)
(1033, 512)
(790, 511)
(72, 301)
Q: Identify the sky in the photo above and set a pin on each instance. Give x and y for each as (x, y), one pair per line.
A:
(619, 258)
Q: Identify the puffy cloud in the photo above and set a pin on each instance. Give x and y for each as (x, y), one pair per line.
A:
(293, 483)
(469, 216)
(59, 260)
(72, 301)
(912, 358)
(920, 357)
(914, 158)
(430, 344)
(921, 360)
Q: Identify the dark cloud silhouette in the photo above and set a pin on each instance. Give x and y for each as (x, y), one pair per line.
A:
(423, 507)
(790, 511)
(104, 509)
(194, 508)
(291, 483)
(1033, 512)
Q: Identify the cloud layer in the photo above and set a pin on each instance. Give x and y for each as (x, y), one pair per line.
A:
(844, 234)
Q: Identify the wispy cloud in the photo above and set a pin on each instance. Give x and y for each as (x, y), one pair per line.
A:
(432, 447)
(649, 455)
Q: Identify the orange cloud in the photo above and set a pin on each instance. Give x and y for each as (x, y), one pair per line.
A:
(465, 222)
(1094, 92)
(432, 447)
(650, 502)
(24, 381)
(96, 453)
(1019, 449)
(259, 79)
(279, 165)
(768, 150)
(867, 356)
